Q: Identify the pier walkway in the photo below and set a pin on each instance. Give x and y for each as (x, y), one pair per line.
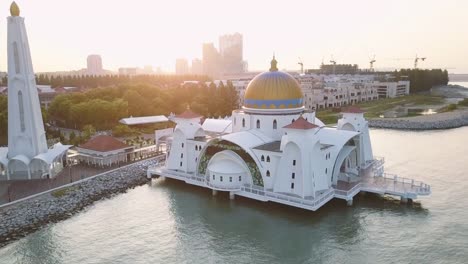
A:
(372, 181)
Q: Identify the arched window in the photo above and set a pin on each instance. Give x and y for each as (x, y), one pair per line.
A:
(258, 124)
(275, 124)
(268, 173)
(16, 57)
(268, 158)
(263, 158)
(196, 147)
(21, 111)
(243, 122)
(292, 121)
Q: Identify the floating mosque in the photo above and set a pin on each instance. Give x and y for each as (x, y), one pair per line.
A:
(273, 149)
(27, 156)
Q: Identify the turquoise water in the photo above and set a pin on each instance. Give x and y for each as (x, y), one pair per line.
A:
(170, 222)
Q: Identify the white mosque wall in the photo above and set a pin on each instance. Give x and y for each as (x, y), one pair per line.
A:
(226, 170)
(270, 125)
(356, 122)
(268, 165)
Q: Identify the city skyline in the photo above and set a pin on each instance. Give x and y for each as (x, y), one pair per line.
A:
(157, 33)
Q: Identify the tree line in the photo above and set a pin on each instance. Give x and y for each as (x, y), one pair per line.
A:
(104, 107)
(93, 81)
(423, 80)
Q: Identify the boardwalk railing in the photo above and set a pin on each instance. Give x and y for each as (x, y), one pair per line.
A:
(419, 186)
(317, 201)
(351, 192)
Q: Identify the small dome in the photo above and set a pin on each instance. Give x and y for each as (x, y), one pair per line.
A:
(273, 90)
(14, 9)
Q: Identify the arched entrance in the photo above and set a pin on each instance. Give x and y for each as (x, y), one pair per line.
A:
(346, 166)
(215, 146)
(18, 168)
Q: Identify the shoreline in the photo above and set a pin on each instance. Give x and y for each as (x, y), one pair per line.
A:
(23, 218)
(448, 120)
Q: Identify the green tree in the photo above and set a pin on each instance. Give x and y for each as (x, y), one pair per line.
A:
(88, 132)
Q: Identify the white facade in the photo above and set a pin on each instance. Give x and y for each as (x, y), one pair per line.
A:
(27, 156)
(391, 89)
(278, 151)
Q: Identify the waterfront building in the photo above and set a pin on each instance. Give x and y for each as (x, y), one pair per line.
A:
(276, 150)
(27, 155)
(391, 89)
(104, 150)
(94, 63)
(182, 67)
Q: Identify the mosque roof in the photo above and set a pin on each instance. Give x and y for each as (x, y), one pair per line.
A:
(273, 90)
(301, 123)
(188, 114)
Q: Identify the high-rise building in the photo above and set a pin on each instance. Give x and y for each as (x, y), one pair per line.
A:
(212, 65)
(182, 67)
(231, 51)
(197, 67)
(27, 156)
(95, 65)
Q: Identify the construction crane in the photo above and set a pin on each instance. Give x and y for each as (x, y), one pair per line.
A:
(302, 65)
(416, 60)
(333, 61)
(371, 62)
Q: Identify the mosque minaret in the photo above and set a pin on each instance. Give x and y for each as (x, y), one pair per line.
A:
(27, 155)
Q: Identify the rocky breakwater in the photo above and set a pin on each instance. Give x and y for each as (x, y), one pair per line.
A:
(427, 122)
(18, 220)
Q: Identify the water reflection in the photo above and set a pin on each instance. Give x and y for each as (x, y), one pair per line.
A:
(272, 227)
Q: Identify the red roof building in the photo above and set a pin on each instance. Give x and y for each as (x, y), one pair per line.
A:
(188, 114)
(104, 150)
(301, 123)
(103, 143)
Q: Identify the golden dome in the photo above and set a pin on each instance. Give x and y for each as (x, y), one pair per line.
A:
(273, 90)
(14, 9)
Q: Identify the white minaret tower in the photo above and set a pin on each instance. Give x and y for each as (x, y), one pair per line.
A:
(26, 135)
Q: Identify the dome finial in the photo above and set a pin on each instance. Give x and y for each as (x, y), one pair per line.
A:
(14, 9)
(273, 64)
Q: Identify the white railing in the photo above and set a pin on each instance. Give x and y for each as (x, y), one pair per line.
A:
(288, 198)
(351, 192)
(417, 185)
(209, 184)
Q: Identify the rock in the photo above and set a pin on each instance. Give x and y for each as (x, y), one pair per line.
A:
(28, 216)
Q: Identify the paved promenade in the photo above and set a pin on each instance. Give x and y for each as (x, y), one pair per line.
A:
(14, 190)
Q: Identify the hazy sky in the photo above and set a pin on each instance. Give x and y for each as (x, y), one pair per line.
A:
(154, 32)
